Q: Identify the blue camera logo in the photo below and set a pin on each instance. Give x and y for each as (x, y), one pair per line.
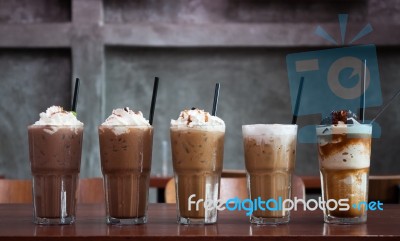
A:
(333, 80)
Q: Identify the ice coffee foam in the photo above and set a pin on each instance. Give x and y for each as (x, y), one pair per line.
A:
(269, 133)
(125, 117)
(338, 150)
(56, 115)
(122, 118)
(199, 119)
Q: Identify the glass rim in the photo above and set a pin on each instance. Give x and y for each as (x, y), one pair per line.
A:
(52, 125)
(343, 125)
(270, 124)
(130, 126)
(324, 130)
(186, 126)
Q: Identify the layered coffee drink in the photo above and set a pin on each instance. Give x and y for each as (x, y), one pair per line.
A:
(126, 140)
(197, 141)
(344, 151)
(55, 147)
(270, 153)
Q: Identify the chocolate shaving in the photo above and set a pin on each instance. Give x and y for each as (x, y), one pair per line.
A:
(343, 116)
(339, 116)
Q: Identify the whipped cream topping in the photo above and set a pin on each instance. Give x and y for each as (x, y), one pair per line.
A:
(56, 115)
(200, 119)
(126, 116)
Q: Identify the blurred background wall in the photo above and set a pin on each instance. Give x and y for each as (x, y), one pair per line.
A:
(117, 47)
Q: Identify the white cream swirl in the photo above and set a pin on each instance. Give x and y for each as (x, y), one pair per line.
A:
(197, 118)
(126, 117)
(353, 155)
(56, 115)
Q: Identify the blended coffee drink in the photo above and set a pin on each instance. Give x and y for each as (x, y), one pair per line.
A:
(55, 147)
(197, 141)
(344, 151)
(126, 141)
(270, 154)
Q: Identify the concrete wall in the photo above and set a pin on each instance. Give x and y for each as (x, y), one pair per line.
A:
(30, 79)
(117, 47)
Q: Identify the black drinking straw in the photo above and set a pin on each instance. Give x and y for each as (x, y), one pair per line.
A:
(75, 97)
(215, 102)
(386, 106)
(153, 100)
(298, 98)
(362, 96)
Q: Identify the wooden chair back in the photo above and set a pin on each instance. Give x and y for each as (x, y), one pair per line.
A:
(384, 188)
(90, 190)
(235, 185)
(15, 191)
(298, 187)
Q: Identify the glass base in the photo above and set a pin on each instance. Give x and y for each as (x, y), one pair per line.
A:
(188, 221)
(336, 220)
(126, 221)
(269, 221)
(54, 221)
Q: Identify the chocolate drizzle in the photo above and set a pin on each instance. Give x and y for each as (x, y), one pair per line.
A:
(340, 142)
(341, 116)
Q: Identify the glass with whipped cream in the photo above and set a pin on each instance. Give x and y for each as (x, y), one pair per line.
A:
(126, 141)
(270, 154)
(55, 147)
(344, 152)
(197, 142)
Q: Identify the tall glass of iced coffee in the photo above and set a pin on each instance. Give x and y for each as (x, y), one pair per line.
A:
(270, 153)
(55, 147)
(197, 142)
(126, 140)
(344, 151)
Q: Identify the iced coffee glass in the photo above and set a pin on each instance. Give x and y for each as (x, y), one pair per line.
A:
(270, 153)
(55, 157)
(126, 152)
(197, 154)
(344, 158)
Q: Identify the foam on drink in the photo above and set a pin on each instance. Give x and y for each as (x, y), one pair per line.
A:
(56, 115)
(263, 133)
(198, 119)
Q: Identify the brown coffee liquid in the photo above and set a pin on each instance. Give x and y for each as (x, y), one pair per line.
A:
(197, 159)
(126, 164)
(346, 184)
(269, 169)
(55, 156)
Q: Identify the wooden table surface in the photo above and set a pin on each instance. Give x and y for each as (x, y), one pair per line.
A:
(16, 224)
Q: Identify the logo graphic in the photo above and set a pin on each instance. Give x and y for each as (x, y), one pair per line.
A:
(280, 204)
(333, 79)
